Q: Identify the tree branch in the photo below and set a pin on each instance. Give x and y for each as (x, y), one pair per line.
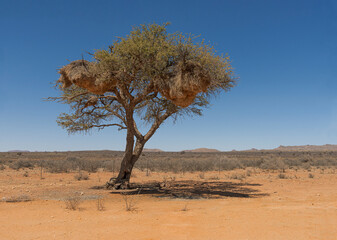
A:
(144, 95)
(156, 124)
(108, 125)
(138, 134)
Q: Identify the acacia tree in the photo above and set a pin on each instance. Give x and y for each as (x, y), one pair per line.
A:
(148, 76)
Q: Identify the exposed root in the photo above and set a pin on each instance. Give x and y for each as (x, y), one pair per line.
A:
(115, 183)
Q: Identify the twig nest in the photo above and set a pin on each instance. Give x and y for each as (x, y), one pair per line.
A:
(183, 88)
(79, 72)
(183, 98)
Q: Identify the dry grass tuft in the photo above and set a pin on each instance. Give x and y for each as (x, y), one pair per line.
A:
(21, 198)
(100, 204)
(185, 208)
(81, 176)
(130, 204)
(282, 176)
(238, 176)
(73, 202)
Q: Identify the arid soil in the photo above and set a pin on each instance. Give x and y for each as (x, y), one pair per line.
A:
(241, 204)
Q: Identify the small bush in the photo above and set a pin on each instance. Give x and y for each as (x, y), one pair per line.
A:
(90, 165)
(311, 175)
(100, 204)
(130, 205)
(21, 198)
(214, 178)
(85, 176)
(72, 203)
(282, 176)
(81, 176)
(16, 165)
(2, 167)
(185, 208)
(59, 166)
(237, 176)
(248, 173)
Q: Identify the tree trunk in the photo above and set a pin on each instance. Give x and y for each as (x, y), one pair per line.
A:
(133, 151)
(131, 155)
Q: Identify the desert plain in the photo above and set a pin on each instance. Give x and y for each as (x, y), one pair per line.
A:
(240, 203)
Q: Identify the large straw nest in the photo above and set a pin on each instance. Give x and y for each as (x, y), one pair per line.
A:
(81, 73)
(182, 89)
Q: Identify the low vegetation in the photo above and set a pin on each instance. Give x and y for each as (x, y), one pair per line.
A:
(175, 162)
(100, 204)
(130, 204)
(72, 202)
(14, 199)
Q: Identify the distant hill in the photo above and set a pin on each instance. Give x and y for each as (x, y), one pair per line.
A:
(18, 151)
(152, 150)
(326, 147)
(202, 150)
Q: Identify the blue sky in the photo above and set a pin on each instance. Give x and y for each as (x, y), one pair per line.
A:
(284, 53)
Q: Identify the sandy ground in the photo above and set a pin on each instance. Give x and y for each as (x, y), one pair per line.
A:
(191, 206)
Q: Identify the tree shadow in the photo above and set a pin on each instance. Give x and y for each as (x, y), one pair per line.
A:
(190, 189)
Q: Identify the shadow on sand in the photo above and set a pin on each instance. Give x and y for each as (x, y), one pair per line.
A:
(194, 189)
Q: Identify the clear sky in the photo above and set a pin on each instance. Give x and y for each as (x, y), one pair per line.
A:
(284, 52)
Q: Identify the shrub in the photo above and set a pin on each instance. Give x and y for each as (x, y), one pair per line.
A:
(90, 165)
(59, 166)
(130, 205)
(282, 176)
(202, 175)
(273, 164)
(185, 208)
(100, 204)
(81, 176)
(72, 203)
(21, 198)
(237, 176)
(248, 173)
(16, 165)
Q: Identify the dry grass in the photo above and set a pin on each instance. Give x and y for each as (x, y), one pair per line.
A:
(238, 176)
(73, 202)
(282, 176)
(178, 162)
(130, 201)
(100, 204)
(185, 208)
(20, 198)
(81, 176)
